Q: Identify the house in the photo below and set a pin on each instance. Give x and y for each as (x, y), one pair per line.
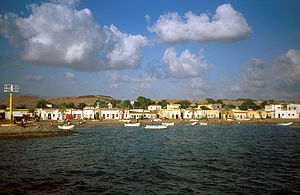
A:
(173, 106)
(110, 113)
(278, 111)
(49, 114)
(227, 114)
(254, 114)
(211, 114)
(188, 114)
(239, 113)
(18, 113)
(88, 112)
(138, 114)
(171, 113)
(77, 114)
(154, 107)
(211, 106)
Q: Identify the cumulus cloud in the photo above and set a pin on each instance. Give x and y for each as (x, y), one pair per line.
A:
(33, 78)
(252, 79)
(70, 76)
(227, 25)
(186, 65)
(57, 34)
(287, 67)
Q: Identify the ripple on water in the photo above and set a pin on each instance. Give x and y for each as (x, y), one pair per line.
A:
(239, 159)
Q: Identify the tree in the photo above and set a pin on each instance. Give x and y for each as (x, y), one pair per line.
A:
(21, 107)
(116, 103)
(71, 105)
(163, 104)
(248, 104)
(210, 101)
(100, 104)
(143, 102)
(184, 104)
(81, 106)
(41, 104)
(126, 104)
(204, 108)
(3, 107)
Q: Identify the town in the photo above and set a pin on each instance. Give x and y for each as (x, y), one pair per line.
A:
(144, 108)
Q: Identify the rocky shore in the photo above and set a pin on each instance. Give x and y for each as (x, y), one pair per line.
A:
(31, 130)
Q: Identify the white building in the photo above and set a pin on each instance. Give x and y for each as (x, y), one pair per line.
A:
(17, 113)
(154, 107)
(88, 112)
(49, 114)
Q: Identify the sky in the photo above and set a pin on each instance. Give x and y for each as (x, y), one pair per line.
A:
(191, 49)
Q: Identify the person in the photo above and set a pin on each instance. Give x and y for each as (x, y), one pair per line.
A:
(22, 124)
(50, 124)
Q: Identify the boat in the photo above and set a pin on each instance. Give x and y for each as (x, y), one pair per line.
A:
(285, 124)
(203, 123)
(132, 124)
(66, 127)
(194, 120)
(157, 119)
(194, 123)
(168, 124)
(243, 119)
(156, 127)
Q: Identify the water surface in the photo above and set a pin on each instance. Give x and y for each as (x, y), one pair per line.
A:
(248, 159)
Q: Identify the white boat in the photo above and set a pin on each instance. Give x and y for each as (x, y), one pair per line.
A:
(155, 127)
(194, 123)
(66, 126)
(157, 119)
(132, 124)
(202, 123)
(194, 120)
(168, 124)
(285, 124)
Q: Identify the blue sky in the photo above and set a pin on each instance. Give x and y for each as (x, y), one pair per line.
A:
(158, 49)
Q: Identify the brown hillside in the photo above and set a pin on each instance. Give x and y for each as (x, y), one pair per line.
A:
(88, 100)
(28, 101)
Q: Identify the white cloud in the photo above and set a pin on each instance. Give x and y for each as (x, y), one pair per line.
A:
(70, 76)
(187, 65)
(33, 78)
(287, 67)
(227, 25)
(57, 34)
(114, 86)
(116, 77)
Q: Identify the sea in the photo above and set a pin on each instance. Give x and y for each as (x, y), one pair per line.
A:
(183, 159)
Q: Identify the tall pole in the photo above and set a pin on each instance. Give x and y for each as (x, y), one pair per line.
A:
(10, 108)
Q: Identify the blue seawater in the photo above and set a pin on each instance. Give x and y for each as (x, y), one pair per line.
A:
(215, 159)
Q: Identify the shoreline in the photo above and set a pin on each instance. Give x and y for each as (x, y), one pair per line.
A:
(42, 128)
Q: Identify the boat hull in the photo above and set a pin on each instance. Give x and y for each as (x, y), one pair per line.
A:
(132, 125)
(68, 127)
(155, 127)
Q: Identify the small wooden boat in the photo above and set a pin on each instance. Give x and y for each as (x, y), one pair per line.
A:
(194, 123)
(285, 124)
(168, 124)
(66, 127)
(296, 125)
(132, 124)
(155, 127)
(203, 123)
(194, 120)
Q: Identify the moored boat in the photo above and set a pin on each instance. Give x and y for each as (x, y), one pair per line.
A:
(168, 124)
(285, 124)
(156, 127)
(194, 123)
(296, 124)
(203, 123)
(66, 127)
(243, 119)
(132, 124)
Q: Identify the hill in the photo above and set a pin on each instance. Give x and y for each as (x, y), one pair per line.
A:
(31, 101)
